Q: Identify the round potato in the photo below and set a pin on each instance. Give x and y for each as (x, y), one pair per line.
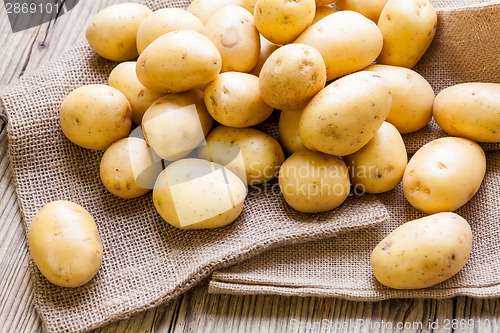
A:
(232, 30)
(288, 129)
(322, 12)
(422, 253)
(124, 78)
(233, 99)
(344, 116)
(65, 244)
(163, 21)
(291, 76)
(408, 27)
(198, 194)
(444, 174)
(347, 40)
(379, 166)
(204, 9)
(176, 124)
(412, 97)
(470, 110)
(94, 116)
(112, 33)
(266, 49)
(178, 61)
(369, 8)
(282, 21)
(313, 182)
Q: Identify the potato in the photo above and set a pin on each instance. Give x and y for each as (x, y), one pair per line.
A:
(204, 9)
(345, 116)
(291, 76)
(412, 97)
(347, 40)
(322, 12)
(232, 30)
(313, 182)
(321, 3)
(233, 99)
(470, 110)
(124, 78)
(288, 129)
(282, 21)
(444, 174)
(369, 8)
(197, 194)
(422, 253)
(379, 166)
(253, 156)
(176, 124)
(178, 61)
(112, 32)
(163, 21)
(266, 49)
(94, 116)
(408, 27)
(65, 244)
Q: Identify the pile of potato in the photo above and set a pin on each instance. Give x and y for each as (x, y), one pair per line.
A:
(231, 63)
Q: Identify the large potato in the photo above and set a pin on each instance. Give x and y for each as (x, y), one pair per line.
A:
(204, 9)
(369, 8)
(94, 116)
(347, 40)
(291, 76)
(422, 253)
(408, 27)
(65, 244)
(198, 194)
(444, 174)
(112, 32)
(470, 110)
(344, 116)
(288, 129)
(266, 49)
(178, 61)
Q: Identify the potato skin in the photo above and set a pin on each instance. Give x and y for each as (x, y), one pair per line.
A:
(322, 12)
(422, 253)
(65, 244)
(288, 129)
(204, 9)
(371, 9)
(470, 110)
(266, 49)
(444, 174)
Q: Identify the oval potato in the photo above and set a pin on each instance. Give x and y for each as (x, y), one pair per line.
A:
(288, 128)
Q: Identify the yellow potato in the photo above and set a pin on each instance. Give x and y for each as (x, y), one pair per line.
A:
(204, 9)
(163, 21)
(233, 99)
(412, 97)
(444, 174)
(313, 182)
(347, 40)
(112, 32)
(198, 194)
(344, 116)
(291, 76)
(178, 61)
(232, 30)
(176, 124)
(94, 116)
(65, 244)
(470, 110)
(369, 8)
(321, 3)
(408, 27)
(266, 49)
(288, 129)
(422, 253)
(322, 12)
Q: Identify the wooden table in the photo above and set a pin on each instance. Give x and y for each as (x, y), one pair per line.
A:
(196, 311)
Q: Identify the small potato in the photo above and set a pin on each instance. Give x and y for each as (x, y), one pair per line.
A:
(233, 99)
(412, 97)
(266, 49)
(470, 110)
(369, 8)
(232, 30)
(322, 12)
(129, 168)
(198, 194)
(345, 116)
(282, 21)
(178, 61)
(408, 27)
(163, 21)
(112, 33)
(176, 124)
(422, 253)
(291, 76)
(313, 182)
(94, 116)
(444, 174)
(379, 166)
(204, 9)
(124, 78)
(288, 128)
(65, 244)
